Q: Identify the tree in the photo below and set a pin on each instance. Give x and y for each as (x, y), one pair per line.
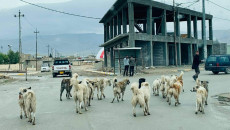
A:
(4, 59)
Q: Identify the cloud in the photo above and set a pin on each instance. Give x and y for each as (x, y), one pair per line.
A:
(9, 4)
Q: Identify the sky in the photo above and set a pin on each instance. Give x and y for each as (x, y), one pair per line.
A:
(53, 23)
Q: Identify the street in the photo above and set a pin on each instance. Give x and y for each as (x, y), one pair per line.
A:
(52, 114)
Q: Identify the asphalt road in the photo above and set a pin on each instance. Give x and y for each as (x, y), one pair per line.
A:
(53, 114)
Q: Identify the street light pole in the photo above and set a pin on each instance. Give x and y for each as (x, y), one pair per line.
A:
(36, 32)
(204, 32)
(20, 42)
(174, 14)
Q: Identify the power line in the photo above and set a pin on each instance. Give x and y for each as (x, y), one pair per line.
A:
(221, 18)
(218, 5)
(195, 2)
(29, 23)
(57, 11)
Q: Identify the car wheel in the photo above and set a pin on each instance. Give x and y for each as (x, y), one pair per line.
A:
(227, 71)
(215, 72)
(54, 75)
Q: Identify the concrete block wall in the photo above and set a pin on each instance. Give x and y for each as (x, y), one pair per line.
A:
(220, 49)
(158, 54)
(146, 53)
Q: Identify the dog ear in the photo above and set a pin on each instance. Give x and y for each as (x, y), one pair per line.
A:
(24, 90)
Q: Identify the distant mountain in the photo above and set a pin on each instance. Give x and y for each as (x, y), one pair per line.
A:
(78, 44)
(66, 44)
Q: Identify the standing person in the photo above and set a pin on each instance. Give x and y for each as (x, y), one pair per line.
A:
(131, 64)
(126, 64)
(195, 65)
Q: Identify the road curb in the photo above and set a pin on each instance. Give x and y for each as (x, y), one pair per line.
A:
(100, 72)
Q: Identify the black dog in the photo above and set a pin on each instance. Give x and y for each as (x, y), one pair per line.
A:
(65, 85)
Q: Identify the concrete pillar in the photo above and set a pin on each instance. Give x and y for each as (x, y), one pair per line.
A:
(179, 53)
(163, 24)
(111, 57)
(105, 57)
(195, 27)
(149, 20)
(149, 31)
(190, 54)
(115, 26)
(166, 54)
(111, 29)
(189, 30)
(177, 31)
(124, 20)
(210, 30)
(107, 32)
(119, 23)
(153, 27)
(131, 42)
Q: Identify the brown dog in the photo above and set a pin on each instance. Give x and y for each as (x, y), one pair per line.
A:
(65, 85)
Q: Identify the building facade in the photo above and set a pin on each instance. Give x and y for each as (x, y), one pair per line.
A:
(144, 23)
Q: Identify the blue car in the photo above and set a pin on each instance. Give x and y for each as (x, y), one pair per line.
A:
(218, 63)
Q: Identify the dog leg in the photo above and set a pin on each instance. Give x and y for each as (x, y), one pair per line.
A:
(134, 110)
(24, 109)
(196, 108)
(80, 107)
(85, 104)
(62, 89)
(122, 96)
(147, 105)
(33, 118)
(21, 112)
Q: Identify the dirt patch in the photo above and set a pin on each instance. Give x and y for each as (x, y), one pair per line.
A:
(82, 71)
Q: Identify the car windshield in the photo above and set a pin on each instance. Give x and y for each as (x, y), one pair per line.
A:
(61, 62)
(211, 59)
(45, 65)
(223, 59)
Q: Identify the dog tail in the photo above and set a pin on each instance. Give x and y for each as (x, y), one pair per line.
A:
(181, 75)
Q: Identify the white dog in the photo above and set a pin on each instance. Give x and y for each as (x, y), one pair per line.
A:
(201, 97)
(141, 96)
(156, 86)
(80, 93)
(30, 103)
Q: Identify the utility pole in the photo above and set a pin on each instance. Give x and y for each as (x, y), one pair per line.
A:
(2, 49)
(48, 51)
(36, 32)
(175, 31)
(20, 42)
(204, 47)
(9, 57)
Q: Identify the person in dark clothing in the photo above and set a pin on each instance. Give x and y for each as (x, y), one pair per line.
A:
(195, 65)
(131, 64)
(126, 64)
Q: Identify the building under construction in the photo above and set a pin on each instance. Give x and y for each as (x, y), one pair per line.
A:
(139, 28)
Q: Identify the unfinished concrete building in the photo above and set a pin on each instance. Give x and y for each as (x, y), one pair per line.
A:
(142, 24)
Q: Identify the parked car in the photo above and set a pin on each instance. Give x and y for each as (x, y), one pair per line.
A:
(61, 67)
(218, 63)
(45, 67)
